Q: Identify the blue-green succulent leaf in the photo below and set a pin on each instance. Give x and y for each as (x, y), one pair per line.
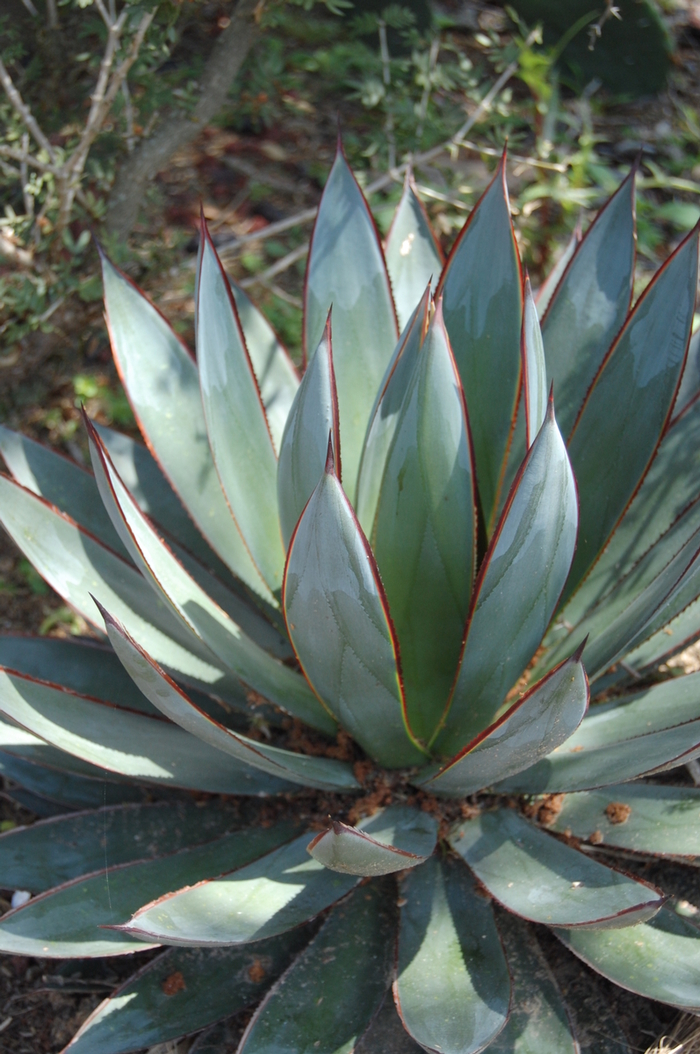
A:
(452, 988)
(162, 382)
(183, 991)
(386, 412)
(544, 880)
(652, 730)
(355, 284)
(312, 419)
(534, 368)
(239, 434)
(518, 587)
(339, 624)
(542, 720)
(590, 302)
(327, 998)
(166, 696)
(659, 959)
(425, 530)
(629, 403)
(546, 290)
(204, 618)
(78, 919)
(272, 895)
(482, 290)
(413, 254)
(642, 817)
(392, 840)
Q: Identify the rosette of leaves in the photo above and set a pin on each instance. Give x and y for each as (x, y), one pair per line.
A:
(335, 754)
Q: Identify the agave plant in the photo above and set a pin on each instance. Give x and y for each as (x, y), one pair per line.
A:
(335, 750)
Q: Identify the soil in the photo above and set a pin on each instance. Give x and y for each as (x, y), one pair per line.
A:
(43, 1002)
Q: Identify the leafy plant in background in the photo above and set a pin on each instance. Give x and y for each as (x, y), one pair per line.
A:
(378, 594)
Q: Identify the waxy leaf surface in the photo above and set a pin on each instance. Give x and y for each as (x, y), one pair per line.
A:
(126, 742)
(386, 413)
(659, 959)
(425, 530)
(534, 368)
(53, 851)
(544, 880)
(209, 984)
(452, 989)
(238, 431)
(339, 624)
(70, 921)
(548, 287)
(272, 895)
(518, 587)
(539, 722)
(274, 370)
(482, 291)
(55, 791)
(166, 696)
(330, 993)
(205, 619)
(312, 419)
(413, 255)
(590, 303)
(355, 283)
(392, 840)
(538, 1022)
(643, 817)
(629, 403)
(162, 382)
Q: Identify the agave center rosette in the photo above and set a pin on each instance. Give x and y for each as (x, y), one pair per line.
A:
(370, 590)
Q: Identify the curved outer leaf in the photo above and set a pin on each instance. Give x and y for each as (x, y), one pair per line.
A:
(133, 744)
(452, 989)
(199, 612)
(534, 368)
(643, 817)
(397, 838)
(59, 481)
(312, 419)
(538, 1021)
(270, 896)
(54, 851)
(240, 438)
(590, 302)
(76, 565)
(161, 381)
(630, 614)
(322, 773)
(274, 370)
(332, 990)
(356, 284)
(543, 719)
(546, 290)
(670, 487)
(425, 529)
(386, 412)
(689, 387)
(54, 791)
(340, 628)
(629, 403)
(675, 636)
(544, 880)
(74, 491)
(414, 258)
(145, 1011)
(78, 919)
(659, 959)
(482, 290)
(519, 583)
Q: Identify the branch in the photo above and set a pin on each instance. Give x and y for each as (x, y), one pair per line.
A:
(228, 54)
(21, 108)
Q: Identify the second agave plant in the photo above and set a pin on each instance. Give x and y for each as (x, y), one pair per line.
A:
(373, 595)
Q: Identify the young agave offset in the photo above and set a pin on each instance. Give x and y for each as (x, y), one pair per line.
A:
(401, 550)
